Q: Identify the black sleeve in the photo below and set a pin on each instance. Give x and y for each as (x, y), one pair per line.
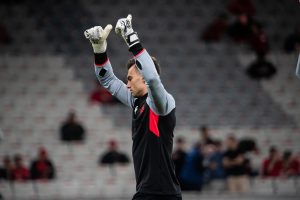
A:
(225, 155)
(106, 159)
(52, 171)
(33, 171)
(100, 58)
(199, 163)
(136, 49)
(81, 133)
(123, 158)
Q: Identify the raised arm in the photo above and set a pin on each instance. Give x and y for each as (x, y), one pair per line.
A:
(103, 69)
(159, 100)
(108, 80)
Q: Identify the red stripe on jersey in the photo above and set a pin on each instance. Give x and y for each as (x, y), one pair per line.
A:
(153, 123)
(137, 55)
(101, 65)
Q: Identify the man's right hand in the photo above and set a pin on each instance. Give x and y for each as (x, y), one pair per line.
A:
(97, 36)
(124, 29)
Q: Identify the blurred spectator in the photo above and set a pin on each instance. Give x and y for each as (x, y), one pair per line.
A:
(234, 163)
(215, 31)
(298, 67)
(6, 171)
(20, 172)
(251, 152)
(192, 170)
(42, 168)
(259, 40)
(71, 129)
(272, 166)
(1, 135)
(178, 157)
(237, 7)
(216, 162)
(247, 145)
(101, 95)
(205, 136)
(261, 69)
(297, 158)
(241, 30)
(290, 165)
(250, 171)
(5, 37)
(113, 155)
(292, 42)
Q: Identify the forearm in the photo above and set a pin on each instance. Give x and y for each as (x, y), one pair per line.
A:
(97, 36)
(159, 100)
(108, 80)
(229, 163)
(144, 63)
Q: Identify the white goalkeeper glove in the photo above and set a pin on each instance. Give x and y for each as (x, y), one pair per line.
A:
(124, 29)
(97, 36)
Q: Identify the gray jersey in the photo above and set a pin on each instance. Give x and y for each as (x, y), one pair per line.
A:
(153, 123)
(159, 100)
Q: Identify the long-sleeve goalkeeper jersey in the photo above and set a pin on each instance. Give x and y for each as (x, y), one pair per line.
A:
(153, 123)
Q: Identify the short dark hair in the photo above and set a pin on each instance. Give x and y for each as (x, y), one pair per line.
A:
(131, 62)
(272, 149)
(232, 137)
(203, 128)
(287, 154)
(17, 157)
(180, 140)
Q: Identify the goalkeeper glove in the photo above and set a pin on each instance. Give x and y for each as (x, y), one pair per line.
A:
(124, 29)
(97, 36)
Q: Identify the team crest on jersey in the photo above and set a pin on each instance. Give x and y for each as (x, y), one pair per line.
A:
(141, 110)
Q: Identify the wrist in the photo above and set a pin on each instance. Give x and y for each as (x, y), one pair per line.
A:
(100, 58)
(136, 48)
(132, 39)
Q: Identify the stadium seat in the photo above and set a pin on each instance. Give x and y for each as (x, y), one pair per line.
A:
(262, 186)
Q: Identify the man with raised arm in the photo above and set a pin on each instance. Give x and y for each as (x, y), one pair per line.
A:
(153, 115)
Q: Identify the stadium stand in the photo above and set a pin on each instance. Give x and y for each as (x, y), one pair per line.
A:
(48, 70)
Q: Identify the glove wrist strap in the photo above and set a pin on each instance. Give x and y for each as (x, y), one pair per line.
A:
(132, 39)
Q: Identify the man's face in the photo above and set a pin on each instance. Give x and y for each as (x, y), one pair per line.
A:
(231, 144)
(180, 145)
(19, 162)
(135, 82)
(6, 162)
(219, 147)
(275, 155)
(243, 18)
(205, 134)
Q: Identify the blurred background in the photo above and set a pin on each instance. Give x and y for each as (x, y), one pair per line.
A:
(230, 64)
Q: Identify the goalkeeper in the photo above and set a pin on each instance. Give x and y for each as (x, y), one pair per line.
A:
(153, 115)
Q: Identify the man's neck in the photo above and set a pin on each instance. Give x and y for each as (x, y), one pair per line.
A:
(143, 95)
